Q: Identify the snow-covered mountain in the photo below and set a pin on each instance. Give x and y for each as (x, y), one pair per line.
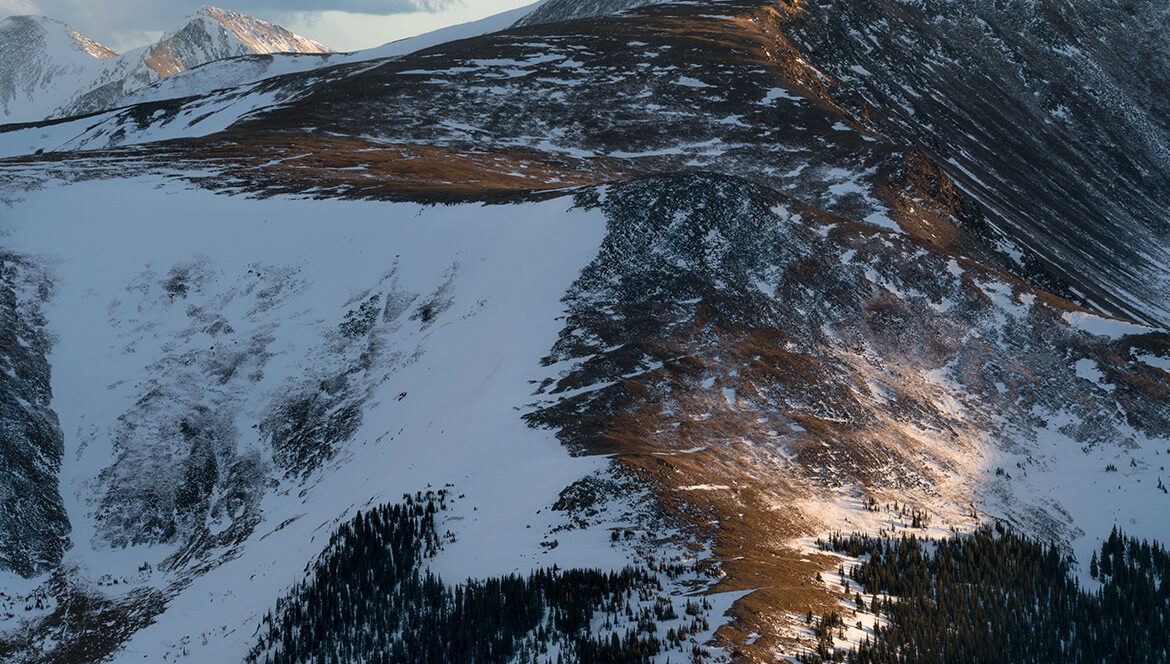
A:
(213, 34)
(51, 71)
(708, 281)
(249, 69)
(42, 65)
(216, 49)
(258, 51)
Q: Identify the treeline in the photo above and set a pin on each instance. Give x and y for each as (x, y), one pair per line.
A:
(996, 596)
(369, 600)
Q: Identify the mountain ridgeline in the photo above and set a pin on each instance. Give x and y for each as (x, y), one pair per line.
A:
(52, 71)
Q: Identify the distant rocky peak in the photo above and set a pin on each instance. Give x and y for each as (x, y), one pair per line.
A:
(212, 34)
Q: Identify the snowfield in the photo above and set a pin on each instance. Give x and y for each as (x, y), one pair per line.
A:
(446, 412)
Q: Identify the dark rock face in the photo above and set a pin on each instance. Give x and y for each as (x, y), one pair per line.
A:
(1025, 130)
(1051, 115)
(33, 524)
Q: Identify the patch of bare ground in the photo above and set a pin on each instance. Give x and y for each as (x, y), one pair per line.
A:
(333, 167)
(713, 468)
(85, 627)
(348, 167)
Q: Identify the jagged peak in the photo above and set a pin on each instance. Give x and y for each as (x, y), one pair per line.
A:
(221, 14)
(257, 34)
(211, 33)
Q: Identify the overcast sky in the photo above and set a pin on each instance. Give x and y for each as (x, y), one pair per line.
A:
(345, 25)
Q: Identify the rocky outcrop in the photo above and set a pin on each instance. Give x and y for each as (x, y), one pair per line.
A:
(33, 524)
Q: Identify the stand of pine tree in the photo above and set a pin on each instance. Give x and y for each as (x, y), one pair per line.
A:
(369, 600)
(999, 597)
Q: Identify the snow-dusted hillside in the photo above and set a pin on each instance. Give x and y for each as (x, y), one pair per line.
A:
(44, 63)
(704, 286)
(229, 395)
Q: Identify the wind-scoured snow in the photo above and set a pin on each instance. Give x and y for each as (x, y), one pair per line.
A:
(172, 304)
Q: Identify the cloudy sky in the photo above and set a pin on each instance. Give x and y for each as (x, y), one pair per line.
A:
(345, 25)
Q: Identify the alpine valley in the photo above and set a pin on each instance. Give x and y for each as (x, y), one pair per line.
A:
(600, 331)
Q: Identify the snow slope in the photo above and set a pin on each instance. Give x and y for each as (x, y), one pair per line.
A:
(43, 63)
(148, 122)
(768, 312)
(484, 26)
(175, 306)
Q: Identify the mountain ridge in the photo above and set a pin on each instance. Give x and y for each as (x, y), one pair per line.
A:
(104, 78)
(704, 287)
(40, 52)
(174, 52)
